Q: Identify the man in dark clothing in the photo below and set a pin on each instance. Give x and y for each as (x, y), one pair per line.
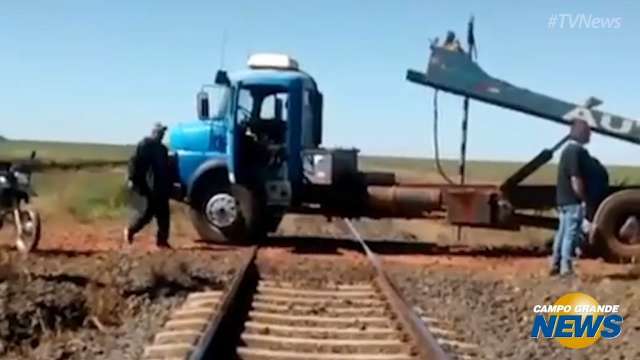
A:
(571, 194)
(451, 43)
(149, 176)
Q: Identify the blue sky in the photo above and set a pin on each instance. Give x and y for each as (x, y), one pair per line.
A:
(103, 71)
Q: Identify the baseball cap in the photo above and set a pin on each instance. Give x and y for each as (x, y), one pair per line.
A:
(159, 127)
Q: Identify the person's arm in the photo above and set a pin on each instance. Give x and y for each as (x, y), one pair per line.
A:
(140, 166)
(576, 172)
(132, 167)
(577, 184)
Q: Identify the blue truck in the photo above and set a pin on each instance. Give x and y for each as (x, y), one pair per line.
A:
(240, 166)
(256, 154)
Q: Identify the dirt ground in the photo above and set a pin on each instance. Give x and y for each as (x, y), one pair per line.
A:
(81, 298)
(315, 270)
(104, 305)
(490, 301)
(486, 284)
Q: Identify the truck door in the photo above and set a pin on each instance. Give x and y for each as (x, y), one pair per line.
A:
(306, 119)
(233, 136)
(311, 118)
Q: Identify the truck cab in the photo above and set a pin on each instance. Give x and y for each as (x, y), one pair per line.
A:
(239, 165)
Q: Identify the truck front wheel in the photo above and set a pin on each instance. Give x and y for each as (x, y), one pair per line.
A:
(228, 215)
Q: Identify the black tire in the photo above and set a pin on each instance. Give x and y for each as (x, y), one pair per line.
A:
(608, 220)
(245, 227)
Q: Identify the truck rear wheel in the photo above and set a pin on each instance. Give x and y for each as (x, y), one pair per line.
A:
(228, 215)
(611, 215)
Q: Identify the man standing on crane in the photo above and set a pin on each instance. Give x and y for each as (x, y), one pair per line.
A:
(571, 195)
(451, 43)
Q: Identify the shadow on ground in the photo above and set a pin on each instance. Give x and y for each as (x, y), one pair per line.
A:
(333, 245)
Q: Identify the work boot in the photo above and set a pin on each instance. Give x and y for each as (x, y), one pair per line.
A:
(127, 237)
(567, 271)
(554, 271)
(568, 274)
(164, 245)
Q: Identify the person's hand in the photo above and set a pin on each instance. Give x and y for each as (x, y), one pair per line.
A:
(129, 184)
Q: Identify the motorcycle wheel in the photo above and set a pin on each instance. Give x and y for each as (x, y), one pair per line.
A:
(29, 236)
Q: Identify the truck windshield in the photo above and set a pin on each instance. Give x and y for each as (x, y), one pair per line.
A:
(262, 103)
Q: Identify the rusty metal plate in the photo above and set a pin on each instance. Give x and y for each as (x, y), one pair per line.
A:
(470, 206)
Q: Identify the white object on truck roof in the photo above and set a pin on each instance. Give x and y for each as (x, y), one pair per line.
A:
(272, 61)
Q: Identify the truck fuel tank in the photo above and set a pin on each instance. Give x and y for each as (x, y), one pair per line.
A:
(399, 201)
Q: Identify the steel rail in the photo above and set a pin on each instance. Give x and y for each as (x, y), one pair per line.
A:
(213, 336)
(227, 325)
(428, 346)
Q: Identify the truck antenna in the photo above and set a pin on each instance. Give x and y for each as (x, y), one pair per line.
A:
(223, 47)
(471, 39)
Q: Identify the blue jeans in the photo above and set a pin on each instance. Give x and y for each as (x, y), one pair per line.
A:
(567, 237)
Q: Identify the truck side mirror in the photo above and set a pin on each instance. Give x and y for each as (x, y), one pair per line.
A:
(317, 103)
(202, 100)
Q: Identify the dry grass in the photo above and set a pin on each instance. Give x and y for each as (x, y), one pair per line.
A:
(87, 195)
(483, 171)
(480, 171)
(83, 195)
(63, 152)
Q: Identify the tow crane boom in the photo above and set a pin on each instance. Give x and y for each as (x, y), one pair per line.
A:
(455, 72)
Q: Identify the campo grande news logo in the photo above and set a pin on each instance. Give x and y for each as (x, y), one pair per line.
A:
(577, 321)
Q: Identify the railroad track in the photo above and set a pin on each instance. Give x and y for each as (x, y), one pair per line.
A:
(261, 317)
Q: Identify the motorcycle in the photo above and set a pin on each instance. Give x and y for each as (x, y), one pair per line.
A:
(15, 197)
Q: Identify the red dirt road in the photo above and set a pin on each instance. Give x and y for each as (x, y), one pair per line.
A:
(487, 296)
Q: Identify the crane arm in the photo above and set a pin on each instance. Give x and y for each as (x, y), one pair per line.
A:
(455, 72)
